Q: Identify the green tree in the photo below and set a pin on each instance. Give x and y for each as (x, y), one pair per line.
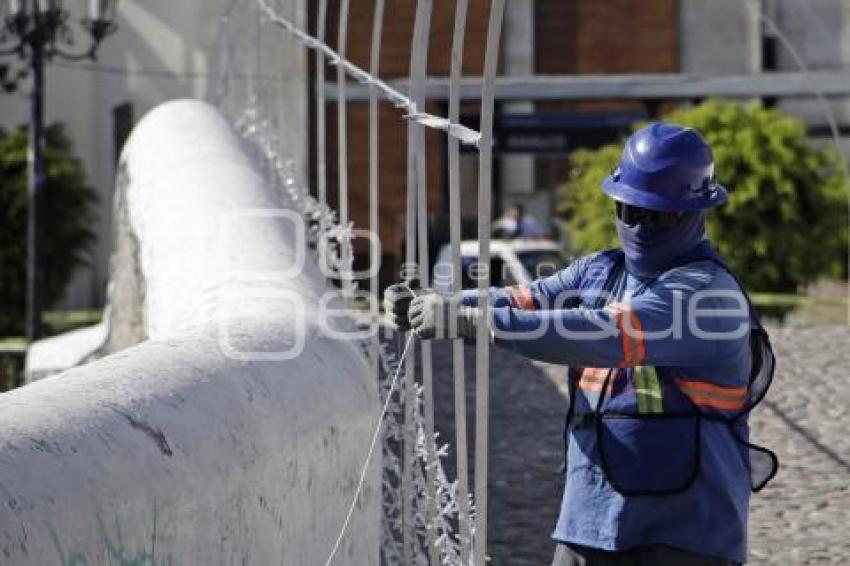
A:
(68, 215)
(786, 220)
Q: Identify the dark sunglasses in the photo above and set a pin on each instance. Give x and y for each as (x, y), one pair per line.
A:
(634, 215)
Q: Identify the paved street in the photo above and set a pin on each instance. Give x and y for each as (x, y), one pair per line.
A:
(526, 438)
(801, 518)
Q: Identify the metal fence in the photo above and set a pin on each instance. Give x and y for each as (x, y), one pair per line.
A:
(412, 108)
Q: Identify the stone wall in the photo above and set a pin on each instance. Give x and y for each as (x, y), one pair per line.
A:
(234, 431)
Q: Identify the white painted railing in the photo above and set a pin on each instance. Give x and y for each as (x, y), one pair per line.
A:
(416, 227)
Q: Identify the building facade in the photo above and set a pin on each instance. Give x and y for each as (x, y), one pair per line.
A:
(577, 37)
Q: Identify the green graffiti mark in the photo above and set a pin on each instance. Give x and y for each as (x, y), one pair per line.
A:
(116, 551)
(73, 559)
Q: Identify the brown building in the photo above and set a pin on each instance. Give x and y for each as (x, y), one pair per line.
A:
(544, 37)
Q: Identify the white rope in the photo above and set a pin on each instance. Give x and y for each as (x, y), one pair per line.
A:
(374, 442)
(467, 136)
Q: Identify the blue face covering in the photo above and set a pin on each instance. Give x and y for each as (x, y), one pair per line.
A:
(650, 250)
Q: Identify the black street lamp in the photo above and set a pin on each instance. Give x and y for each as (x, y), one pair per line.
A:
(37, 31)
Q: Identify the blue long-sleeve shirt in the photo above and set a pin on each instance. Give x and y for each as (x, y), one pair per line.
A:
(695, 320)
(691, 315)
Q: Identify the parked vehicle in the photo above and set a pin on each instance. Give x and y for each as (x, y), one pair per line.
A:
(512, 262)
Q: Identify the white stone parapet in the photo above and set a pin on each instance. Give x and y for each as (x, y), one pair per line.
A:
(226, 427)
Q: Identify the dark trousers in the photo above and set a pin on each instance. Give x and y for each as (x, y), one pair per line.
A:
(654, 555)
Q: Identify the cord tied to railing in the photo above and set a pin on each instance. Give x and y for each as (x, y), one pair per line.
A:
(364, 77)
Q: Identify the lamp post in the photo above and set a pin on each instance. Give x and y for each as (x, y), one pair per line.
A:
(37, 31)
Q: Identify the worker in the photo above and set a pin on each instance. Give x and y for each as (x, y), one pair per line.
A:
(517, 224)
(666, 358)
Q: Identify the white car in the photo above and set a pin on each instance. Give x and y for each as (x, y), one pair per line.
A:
(512, 262)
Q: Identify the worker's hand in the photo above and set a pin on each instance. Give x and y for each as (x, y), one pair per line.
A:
(397, 300)
(434, 316)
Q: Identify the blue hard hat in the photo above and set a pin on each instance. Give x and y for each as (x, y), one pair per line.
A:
(666, 167)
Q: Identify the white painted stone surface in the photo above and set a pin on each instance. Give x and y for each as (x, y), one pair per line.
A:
(58, 353)
(171, 448)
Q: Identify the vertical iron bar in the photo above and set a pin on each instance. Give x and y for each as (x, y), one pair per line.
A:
(407, 485)
(461, 9)
(374, 69)
(482, 345)
(418, 73)
(418, 58)
(374, 182)
(321, 146)
(409, 433)
(35, 166)
(342, 146)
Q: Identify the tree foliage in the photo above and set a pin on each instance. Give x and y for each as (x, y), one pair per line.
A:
(67, 218)
(786, 221)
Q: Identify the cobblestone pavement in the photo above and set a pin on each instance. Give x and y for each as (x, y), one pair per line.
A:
(526, 438)
(802, 517)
